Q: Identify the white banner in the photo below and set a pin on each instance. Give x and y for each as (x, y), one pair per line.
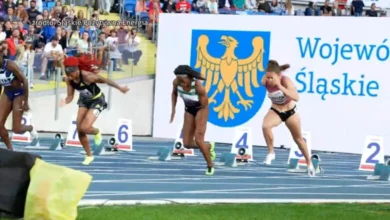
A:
(341, 76)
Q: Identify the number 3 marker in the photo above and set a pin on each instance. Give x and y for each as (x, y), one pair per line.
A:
(373, 153)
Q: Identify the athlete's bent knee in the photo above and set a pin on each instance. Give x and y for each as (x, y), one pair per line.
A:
(199, 138)
(84, 129)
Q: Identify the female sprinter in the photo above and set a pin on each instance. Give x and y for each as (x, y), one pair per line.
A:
(283, 94)
(14, 98)
(81, 75)
(196, 112)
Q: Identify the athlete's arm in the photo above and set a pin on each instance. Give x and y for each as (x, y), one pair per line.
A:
(174, 94)
(13, 67)
(288, 88)
(203, 99)
(70, 92)
(94, 78)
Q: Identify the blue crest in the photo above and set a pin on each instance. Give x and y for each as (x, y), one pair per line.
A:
(233, 63)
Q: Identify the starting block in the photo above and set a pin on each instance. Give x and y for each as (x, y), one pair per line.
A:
(101, 150)
(52, 144)
(230, 160)
(381, 172)
(295, 167)
(165, 154)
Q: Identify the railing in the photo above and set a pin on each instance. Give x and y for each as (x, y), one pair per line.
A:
(121, 62)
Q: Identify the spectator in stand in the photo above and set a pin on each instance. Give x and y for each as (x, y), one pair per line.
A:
(276, 7)
(32, 12)
(45, 14)
(63, 39)
(240, 4)
(49, 31)
(2, 9)
(2, 33)
(310, 10)
(141, 7)
(357, 6)
(183, 6)
(101, 50)
(52, 51)
(105, 6)
(326, 10)
(289, 8)
(372, 11)
(25, 60)
(4, 47)
(251, 5)
(131, 50)
(21, 13)
(201, 6)
(154, 11)
(336, 10)
(26, 4)
(264, 6)
(226, 4)
(23, 31)
(9, 4)
(84, 45)
(342, 4)
(169, 6)
(8, 29)
(64, 12)
(13, 43)
(213, 6)
(112, 44)
(122, 33)
(10, 16)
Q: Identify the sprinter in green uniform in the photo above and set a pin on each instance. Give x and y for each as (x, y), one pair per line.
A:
(80, 76)
(188, 86)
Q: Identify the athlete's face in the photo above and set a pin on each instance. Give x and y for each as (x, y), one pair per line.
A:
(73, 75)
(184, 80)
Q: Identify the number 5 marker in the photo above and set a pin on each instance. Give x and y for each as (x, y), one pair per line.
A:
(373, 153)
(295, 153)
(73, 137)
(124, 135)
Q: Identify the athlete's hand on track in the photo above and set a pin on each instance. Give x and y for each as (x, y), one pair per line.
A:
(62, 103)
(172, 117)
(124, 89)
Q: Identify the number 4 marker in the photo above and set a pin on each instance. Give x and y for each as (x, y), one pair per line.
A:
(373, 153)
(242, 144)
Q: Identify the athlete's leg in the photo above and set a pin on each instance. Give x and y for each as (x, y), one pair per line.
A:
(189, 131)
(17, 116)
(271, 120)
(5, 109)
(87, 125)
(81, 114)
(200, 131)
(294, 125)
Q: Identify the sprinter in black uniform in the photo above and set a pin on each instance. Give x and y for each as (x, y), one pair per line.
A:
(81, 75)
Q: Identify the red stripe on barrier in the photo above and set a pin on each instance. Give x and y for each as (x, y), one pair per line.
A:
(182, 151)
(124, 147)
(245, 157)
(73, 143)
(367, 167)
(20, 138)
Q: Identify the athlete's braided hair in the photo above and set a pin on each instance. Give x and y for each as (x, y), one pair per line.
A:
(187, 70)
(273, 66)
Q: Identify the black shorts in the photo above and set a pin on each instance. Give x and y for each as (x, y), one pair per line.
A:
(98, 104)
(193, 109)
(285, 115)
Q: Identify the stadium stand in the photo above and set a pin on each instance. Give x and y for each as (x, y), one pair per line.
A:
(30, 33)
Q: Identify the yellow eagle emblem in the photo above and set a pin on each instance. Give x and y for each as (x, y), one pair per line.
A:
(229, 72)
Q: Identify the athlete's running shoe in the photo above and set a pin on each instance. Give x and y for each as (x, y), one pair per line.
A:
(98, 138)
(212, 151)
(210, 171)
(311, 171)
(270, 157)
(88, 160)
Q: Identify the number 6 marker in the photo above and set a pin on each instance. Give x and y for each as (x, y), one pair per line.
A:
(73, 137)
(26, 137)
(124, 135)
(373, 153)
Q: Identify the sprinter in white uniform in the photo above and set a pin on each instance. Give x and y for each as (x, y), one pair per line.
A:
(187, 85)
